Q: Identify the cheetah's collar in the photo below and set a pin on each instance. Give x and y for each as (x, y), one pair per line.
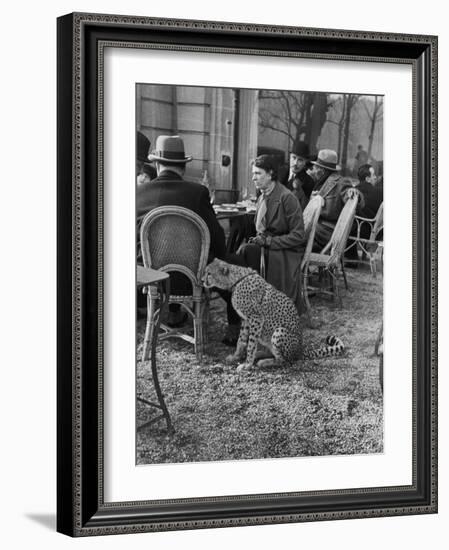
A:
(244, 277)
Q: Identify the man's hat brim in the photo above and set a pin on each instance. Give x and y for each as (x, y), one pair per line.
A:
(326, 166)
(158, 158)
(144, 161)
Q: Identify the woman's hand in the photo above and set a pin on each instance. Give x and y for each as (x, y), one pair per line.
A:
(260, 239)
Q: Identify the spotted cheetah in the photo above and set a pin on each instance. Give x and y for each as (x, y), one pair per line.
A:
(269, 318)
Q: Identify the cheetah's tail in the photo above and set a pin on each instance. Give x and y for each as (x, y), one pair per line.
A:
(333, 346)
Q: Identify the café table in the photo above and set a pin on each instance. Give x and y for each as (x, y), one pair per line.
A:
(147, 277)
(241, 224)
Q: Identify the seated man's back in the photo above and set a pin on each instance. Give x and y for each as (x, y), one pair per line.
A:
(169, 189)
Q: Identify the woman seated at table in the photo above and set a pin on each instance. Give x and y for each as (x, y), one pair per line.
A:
(280, 231)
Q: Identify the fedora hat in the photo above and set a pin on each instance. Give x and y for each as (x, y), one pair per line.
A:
(169, 149)
(143, 148)
(301, 149)
(327, 158)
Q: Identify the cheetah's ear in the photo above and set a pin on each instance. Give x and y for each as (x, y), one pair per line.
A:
(225, 270)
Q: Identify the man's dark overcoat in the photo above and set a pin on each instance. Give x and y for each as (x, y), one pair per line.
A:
(170, 189)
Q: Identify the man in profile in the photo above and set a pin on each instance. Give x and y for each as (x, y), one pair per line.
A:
(372, 199)
(372, 193)
(334, 190)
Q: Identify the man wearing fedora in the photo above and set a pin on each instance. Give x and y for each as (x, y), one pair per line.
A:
(298, 180)
(170, 189)
(334, 189)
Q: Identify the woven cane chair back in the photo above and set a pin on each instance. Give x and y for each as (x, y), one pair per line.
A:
(312, 213)
(336, 246)
(378, 223)
(174, 238)
(311, 216)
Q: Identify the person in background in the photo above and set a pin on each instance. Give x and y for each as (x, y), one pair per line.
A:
(380, 177)
(280, 231)
(372, 199)
(372, 193)
(298, 180)
(361, 157)
(334, 189)
(145, 172)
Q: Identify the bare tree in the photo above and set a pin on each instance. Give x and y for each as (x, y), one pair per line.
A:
(341, 125)
(374, 114)
(318, 116)
(298, 115)
(349, 101)
(339, 105)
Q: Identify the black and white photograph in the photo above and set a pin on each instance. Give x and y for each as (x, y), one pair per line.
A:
(259, 271)
(229, 349)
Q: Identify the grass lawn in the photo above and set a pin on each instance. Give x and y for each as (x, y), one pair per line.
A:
(317, 407)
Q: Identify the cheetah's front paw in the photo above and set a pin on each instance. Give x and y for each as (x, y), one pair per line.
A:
(235, 357)
(244, 367)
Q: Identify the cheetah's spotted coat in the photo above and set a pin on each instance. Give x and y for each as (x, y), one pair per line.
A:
(269, 317)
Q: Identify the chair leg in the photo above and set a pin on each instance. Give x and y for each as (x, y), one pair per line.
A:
(381, 372)
(305, 294)
(344, 274)
(149, 327)
(372, 264)
(198, 330)
(205, 317)
(379, 338)
(334, 276)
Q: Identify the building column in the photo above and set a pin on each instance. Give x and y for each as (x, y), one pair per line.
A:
(247, 113)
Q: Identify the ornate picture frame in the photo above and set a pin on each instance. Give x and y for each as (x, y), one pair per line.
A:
(82, 509)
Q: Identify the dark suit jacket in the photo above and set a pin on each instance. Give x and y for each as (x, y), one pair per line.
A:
(169, 189)
(373, 196)
(303, 186)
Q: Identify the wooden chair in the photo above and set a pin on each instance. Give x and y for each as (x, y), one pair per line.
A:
(330, 260)
(371, 247)
(310, 213)
(175, 239)
(311, 216)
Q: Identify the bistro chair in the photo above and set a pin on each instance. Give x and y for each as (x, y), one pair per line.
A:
(330, 260)
(370, 247)
(311, 216)
(311, 211)
(176, 240)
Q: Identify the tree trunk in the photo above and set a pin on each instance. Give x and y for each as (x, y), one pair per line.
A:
(306, 126)
(372, 127)
(344, 150)
(340, 127)
(318, 119)
(351, 101)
